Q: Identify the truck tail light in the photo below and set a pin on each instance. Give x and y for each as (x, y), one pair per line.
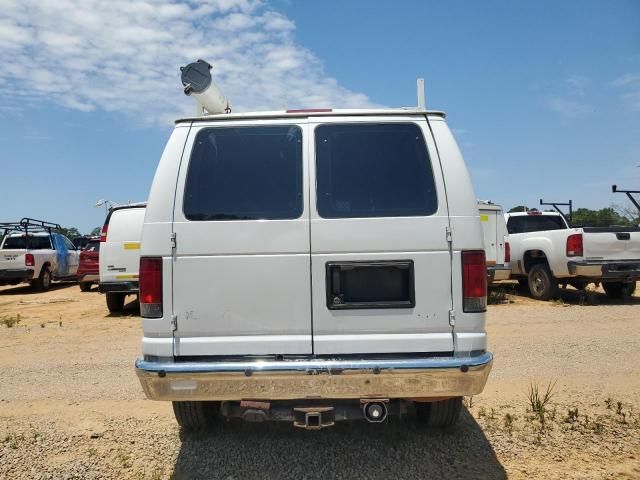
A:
(151, 287)
(507, 252)
(474, 281)
(29, 261)
(103, 232)
(574, 245)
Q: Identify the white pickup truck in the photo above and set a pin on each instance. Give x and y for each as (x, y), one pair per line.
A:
(546, 252)
(32, 252)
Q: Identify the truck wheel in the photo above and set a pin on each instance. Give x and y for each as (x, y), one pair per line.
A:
(619, 290)
(444, 413)
(542, 284)
(115, 301)
(43, 282)
(85, 286)
(195, 416)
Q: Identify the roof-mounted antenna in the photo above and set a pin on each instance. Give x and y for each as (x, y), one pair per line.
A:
(197, 82)
(421, 101)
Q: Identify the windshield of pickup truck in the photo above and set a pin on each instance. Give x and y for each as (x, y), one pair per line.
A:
(535, 223)
(32, 243)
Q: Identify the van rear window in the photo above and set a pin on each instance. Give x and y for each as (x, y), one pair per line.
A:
(534, 223)
(245, 173)
(373, 170)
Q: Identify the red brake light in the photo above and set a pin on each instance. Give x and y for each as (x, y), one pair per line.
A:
(507, 252)
(103, 232)
(574, 245)
(474, 281)
(150, 287)
(29, 261)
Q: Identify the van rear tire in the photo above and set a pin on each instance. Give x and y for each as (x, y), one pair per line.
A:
(542, 284)
(441, 414)
(195, 416)
(115, 301)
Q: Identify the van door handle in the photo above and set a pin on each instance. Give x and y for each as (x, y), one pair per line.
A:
(623, 236)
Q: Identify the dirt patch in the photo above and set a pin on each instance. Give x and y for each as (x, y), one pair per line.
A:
(71, 406)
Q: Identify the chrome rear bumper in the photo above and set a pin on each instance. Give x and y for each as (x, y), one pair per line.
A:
(422, 378)
(606, 269)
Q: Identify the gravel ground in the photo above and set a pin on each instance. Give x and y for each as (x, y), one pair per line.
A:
(71, 406)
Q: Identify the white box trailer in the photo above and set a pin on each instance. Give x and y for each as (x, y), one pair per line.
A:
(496, 241)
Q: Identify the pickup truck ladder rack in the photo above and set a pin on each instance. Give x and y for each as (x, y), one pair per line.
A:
(29, 225)
(614, 189)
(556, 206)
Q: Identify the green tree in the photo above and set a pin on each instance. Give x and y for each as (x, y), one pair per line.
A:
(71, 233)
(605, 217)
(95, 232)
(519, 208)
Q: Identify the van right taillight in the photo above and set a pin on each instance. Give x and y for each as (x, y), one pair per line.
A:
(574, 245)
(474, 281)
(151, 287)
(103, 232)
(507, 252)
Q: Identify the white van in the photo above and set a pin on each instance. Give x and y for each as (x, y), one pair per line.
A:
(496, 241)
(120, 253)
(313, 266)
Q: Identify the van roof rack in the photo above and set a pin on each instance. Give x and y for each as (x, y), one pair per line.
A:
(29, 225)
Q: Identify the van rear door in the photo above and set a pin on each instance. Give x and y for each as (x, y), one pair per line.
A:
(489, 221)
(381, 263)
(120, 252)
(241, 264)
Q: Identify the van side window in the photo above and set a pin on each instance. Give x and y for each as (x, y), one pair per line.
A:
(373, 170)
(245, 173)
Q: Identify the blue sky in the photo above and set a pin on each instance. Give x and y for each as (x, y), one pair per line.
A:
(544, 96)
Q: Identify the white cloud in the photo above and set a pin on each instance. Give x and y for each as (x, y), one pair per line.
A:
(568, 108)
(578, 84)
(124, 55)
(630, 83)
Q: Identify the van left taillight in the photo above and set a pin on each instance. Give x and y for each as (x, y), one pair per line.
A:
(29, 261)
(151, 287)
(474, 281)
(103, 232)
(507, 252)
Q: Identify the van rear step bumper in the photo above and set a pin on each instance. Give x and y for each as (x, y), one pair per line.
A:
(414, 378)
(118, 287)
(497, 273)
